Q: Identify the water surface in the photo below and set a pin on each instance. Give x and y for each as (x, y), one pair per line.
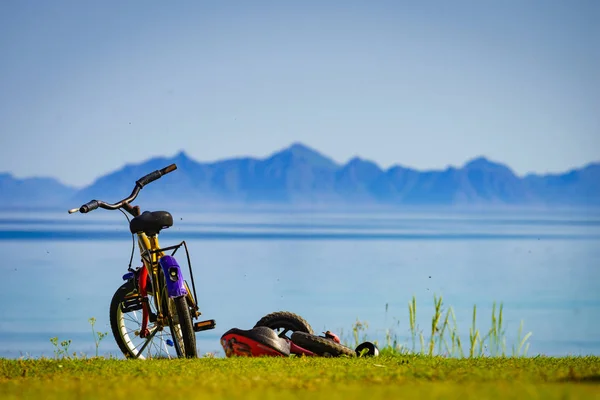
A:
(331, 268)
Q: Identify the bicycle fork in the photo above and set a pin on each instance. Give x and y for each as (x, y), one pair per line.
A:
(176, 287)
(143, 285)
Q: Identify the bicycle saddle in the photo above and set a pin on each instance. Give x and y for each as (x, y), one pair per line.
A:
(151, 222)
(255, 342)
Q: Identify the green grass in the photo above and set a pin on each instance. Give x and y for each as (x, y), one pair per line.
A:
(434, 363)
(391, 376)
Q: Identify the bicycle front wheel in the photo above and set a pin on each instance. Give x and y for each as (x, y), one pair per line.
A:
(183, 324)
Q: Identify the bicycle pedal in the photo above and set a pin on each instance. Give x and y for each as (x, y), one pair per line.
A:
(205, 325)
(131, 304)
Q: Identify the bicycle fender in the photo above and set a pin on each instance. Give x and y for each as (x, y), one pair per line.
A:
(173, 276)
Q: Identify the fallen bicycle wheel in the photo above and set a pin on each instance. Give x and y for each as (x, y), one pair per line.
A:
(321, 346)
(284, 323)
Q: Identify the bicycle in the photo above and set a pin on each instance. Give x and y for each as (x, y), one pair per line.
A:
(160, 277)
(265, 340)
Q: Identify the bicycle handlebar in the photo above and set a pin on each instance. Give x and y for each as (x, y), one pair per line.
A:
(92, 205)
(139, 184)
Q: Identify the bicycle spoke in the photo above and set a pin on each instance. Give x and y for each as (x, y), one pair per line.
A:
(148, 341)
(136, 320)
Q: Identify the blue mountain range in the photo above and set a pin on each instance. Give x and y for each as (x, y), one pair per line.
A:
(299, 175)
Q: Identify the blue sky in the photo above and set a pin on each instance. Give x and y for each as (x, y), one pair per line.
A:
(87, 86)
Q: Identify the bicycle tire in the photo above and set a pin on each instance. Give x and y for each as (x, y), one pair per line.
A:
(321, 346)
(120, 332)
(117, 299)
(285, 320)
(187, 329)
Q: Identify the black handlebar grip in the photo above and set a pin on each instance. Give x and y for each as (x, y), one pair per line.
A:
(151, 177)
(168, 169)
(90, 206)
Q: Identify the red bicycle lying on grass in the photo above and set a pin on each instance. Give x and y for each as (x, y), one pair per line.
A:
(264, 340)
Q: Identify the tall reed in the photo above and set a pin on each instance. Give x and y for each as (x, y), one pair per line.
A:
(445, 334)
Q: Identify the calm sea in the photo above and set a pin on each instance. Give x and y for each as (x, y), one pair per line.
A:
(59, 270)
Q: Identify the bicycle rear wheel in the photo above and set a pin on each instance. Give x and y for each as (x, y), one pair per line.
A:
(126, 323)
(174, 339)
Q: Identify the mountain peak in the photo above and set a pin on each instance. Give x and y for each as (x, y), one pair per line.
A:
(181, 155)
(483, 162)
(358, 162)
(299, 150)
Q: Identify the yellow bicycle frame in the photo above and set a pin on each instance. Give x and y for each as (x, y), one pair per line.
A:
(151, 253)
